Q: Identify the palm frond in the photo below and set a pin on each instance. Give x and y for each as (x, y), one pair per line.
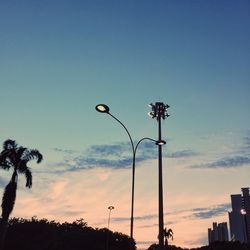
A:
(23, 169)
(21, 152)
(4, 161)
(28, 176)
(2, 156)
(5, 165)
(34, 154)
(9, 144)
(22, 166)
(6, 153)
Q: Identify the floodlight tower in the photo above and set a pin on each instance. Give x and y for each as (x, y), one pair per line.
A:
(159, 111)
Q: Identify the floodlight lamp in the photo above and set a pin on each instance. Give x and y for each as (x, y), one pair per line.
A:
(152, 114)
(111, 207)
(102, 108)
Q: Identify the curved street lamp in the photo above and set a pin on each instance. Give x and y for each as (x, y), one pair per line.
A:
(103, 108)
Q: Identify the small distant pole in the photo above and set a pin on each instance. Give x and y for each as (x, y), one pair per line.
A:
(110, 208)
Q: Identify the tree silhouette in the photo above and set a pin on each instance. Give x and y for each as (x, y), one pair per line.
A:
(167, 235)
(14, 157)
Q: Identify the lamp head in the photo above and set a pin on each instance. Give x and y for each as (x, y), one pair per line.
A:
(111, 207)
(243, 211)
(160, 142)
(102, 108)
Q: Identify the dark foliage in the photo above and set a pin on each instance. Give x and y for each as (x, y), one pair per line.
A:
(215, 246)
(169, 247)
(226, 245)
(42, 234)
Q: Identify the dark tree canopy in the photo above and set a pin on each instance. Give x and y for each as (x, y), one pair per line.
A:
(42, 234)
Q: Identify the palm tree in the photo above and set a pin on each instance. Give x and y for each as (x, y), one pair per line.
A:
(168, 234)
(14, 157)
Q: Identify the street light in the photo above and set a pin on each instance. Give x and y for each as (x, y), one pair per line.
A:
(159, 111)
(110, 208)
(103, 108)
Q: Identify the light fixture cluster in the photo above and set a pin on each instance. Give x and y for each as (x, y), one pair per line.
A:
(159, 110)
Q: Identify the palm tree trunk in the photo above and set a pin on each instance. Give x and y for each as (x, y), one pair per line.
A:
(8, 202)
(3, 230)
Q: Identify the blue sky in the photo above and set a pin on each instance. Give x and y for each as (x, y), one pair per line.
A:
(58, 59)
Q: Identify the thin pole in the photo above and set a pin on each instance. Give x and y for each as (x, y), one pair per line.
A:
(134, 149)
(133, 182)
(109, 218)
(133, 192)
(161, 219)
(110, 208)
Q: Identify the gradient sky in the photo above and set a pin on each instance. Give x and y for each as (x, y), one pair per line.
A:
(59, 58)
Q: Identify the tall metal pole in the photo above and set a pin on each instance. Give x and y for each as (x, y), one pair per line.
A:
(161, 219)
(133, 182)
(159, 111)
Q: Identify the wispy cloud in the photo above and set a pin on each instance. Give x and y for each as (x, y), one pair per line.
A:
(144, 217)
(68, 213)
(109, 150)
(148, 243)
(200, 212)
(182, 153)
(114, 156)
(152, 225)
(206, 213)
(89, 163)
(226, 162)
(65, 151)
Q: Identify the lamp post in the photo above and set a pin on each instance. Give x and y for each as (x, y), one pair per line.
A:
(103, 108)
(110, 208)
(159, 111)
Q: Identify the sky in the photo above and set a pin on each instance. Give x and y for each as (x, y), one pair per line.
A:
(60, 58)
